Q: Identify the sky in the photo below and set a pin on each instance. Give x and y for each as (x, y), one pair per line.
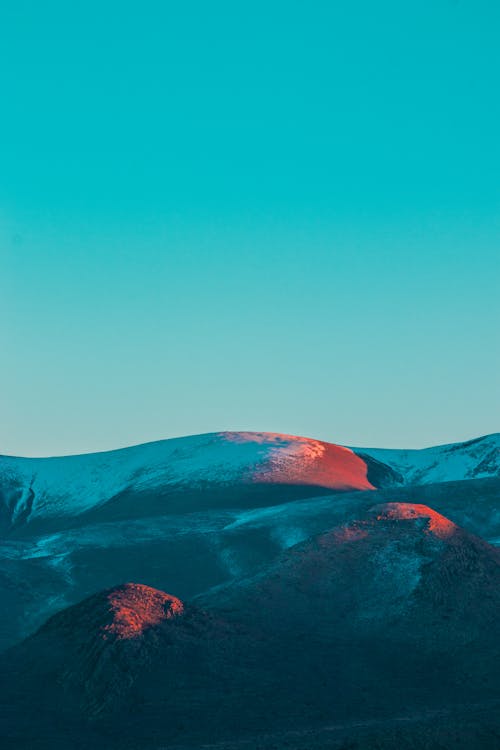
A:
(261, 216)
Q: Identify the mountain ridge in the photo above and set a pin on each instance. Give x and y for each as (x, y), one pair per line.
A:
(48, 490)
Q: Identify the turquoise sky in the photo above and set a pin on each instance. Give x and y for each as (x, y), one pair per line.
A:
(273, 216)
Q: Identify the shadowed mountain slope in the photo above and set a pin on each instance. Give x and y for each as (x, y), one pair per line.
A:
(399, 561)
(396, 609)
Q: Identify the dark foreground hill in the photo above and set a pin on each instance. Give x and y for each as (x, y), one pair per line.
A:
(380, 633)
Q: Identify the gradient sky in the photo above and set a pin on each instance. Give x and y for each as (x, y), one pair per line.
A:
(274, 216)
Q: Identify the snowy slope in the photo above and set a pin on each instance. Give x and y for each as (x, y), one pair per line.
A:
(474, 459)
(34, 488)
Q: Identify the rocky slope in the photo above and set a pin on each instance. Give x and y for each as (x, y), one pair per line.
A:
(336, 639)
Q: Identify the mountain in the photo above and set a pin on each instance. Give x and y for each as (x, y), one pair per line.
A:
(202, 472)
(169, 476)
(93, 670)
(189, 514)
(389, 618)
(473, 459)
(397, 561)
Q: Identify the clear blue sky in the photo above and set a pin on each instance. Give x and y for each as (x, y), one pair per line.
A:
(275, 216)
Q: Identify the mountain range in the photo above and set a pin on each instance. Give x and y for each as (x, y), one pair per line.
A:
(241, 590)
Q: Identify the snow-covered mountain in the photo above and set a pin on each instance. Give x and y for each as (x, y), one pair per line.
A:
(34, 490)
(192, 513)
(473, 459)
(350, 575)
(227, 469)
